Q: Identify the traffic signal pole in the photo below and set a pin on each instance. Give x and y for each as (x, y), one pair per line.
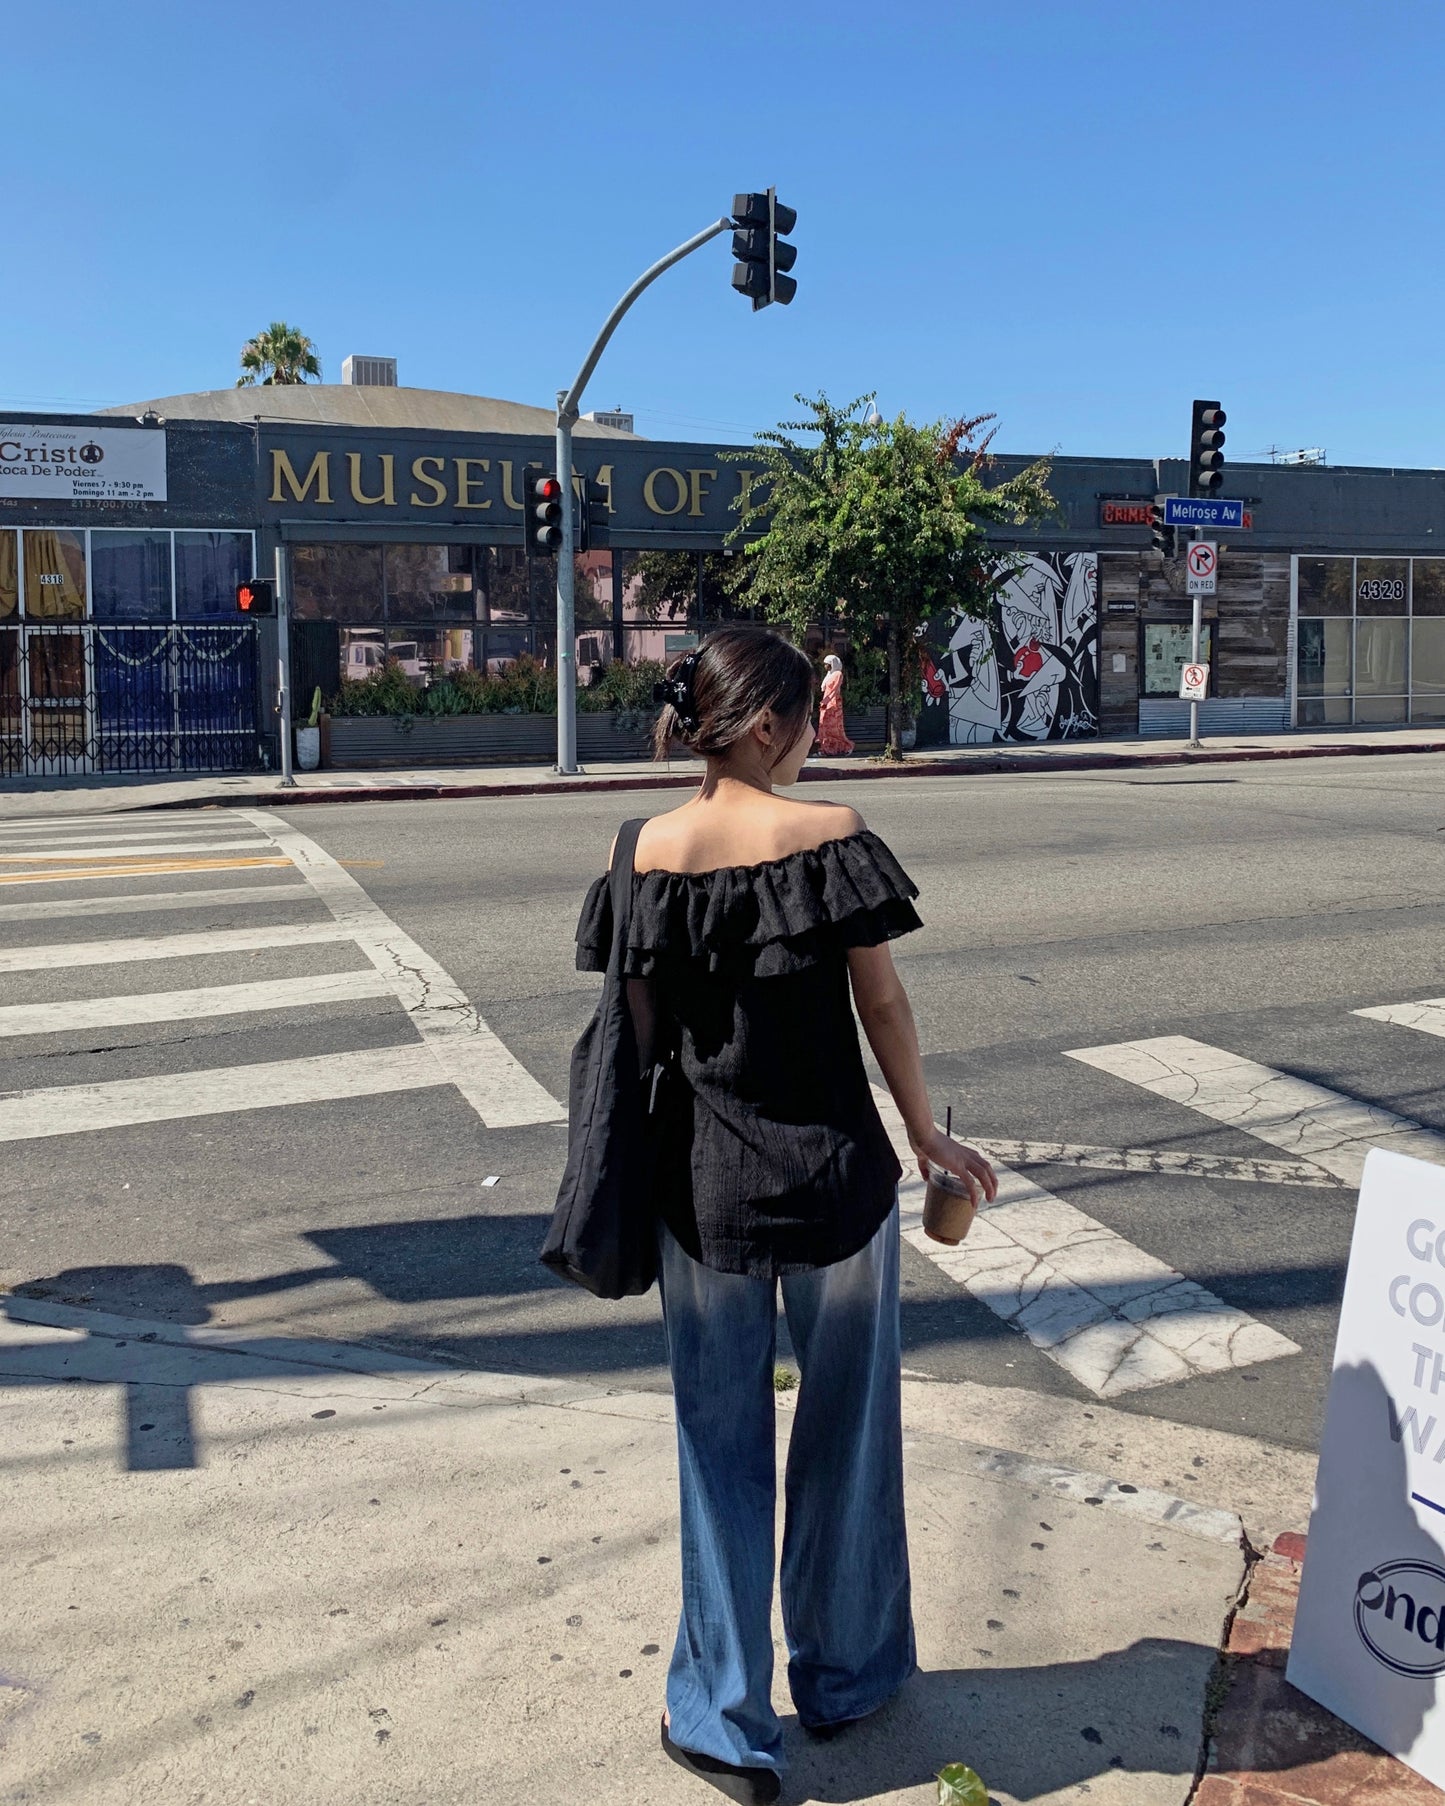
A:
(568, 406)
(1198, 619)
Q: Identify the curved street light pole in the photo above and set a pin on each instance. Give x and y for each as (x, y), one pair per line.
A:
(568, 402)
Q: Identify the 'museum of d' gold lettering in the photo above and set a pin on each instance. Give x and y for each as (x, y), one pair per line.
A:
(124, 536)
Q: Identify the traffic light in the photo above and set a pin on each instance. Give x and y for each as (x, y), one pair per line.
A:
(762, 222)
(1166, 539)
(1206, 460)
(594, 526)
(256, 596)
(541, 511)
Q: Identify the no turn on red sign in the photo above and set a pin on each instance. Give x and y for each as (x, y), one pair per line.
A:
(1201, 563)
(1194, 683)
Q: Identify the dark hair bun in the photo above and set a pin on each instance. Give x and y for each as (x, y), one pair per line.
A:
(714, 693)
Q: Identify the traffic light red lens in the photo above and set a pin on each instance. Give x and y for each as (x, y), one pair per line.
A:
(245, 596)
(549, 489)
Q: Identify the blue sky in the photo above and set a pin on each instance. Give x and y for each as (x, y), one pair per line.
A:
(1076, 215)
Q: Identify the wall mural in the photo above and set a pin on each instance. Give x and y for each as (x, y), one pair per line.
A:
(1030, 671)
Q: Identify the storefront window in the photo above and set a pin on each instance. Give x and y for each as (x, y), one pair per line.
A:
(209, 566)
(659, 643)
(505, 645)
(54, 574)
(659, 586)
(508, 603)
(1386, 662)
(9, 575)
(335, 583)
(1324, 658)
(130, 576)
(1427, 586)
(430, 583)
(1379, 657)
(363, 651)
(1427, 668)
(1326, 586)
(425, 651)
(1382, 586)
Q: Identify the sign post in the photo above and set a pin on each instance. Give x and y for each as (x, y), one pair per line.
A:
(1369, 1634)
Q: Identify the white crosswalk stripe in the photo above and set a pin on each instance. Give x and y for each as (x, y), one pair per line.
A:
(127, 849)
(108, 824)
(146, 903)
(1296, 1116)
(1115, 1318)
(192, 1005)
(1428, 1015)
(167, 946)
(496, 1084)
(119, 1103)
(455, 1046)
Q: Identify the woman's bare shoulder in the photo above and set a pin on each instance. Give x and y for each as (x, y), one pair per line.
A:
(682, 840)
(822, 822)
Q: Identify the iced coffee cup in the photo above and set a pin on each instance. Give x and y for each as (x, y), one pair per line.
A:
(948, 1209)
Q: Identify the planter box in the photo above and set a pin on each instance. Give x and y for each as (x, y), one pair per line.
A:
(360, 742)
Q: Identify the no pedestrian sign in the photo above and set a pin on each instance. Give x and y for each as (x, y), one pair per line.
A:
(1194, 683)
(1202, 566)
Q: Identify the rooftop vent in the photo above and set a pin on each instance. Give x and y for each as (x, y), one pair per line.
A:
(613, 417)
(369, 372)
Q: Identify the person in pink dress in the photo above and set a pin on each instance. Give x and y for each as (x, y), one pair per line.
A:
(832, 740)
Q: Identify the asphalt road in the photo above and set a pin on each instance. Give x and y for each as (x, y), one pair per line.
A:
(1251, 910)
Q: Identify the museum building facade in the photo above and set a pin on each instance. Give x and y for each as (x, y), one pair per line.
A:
(123, 537)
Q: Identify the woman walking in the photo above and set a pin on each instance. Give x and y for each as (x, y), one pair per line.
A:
(832, 736)
(752, 915)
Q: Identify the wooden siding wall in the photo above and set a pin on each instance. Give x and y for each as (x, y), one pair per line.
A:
(1250, 616)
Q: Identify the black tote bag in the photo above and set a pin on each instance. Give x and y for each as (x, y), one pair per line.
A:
(604, 1228)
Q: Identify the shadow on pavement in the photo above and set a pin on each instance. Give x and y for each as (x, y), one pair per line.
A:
(1027, 1731)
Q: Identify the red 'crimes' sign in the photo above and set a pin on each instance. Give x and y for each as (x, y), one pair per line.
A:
(1125, 513)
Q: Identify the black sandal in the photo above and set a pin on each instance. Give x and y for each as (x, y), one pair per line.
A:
(748, 1786)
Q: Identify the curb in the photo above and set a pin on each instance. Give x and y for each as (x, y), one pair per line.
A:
(1267, 1743)
(1004, 765)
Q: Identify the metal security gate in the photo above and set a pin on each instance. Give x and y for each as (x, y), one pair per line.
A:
(81, 697)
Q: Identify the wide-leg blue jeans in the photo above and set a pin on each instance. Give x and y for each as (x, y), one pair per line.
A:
(845, 1588)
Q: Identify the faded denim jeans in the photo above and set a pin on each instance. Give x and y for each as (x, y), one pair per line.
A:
(845, 1588)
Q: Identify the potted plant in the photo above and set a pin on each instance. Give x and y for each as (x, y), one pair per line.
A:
(308, 737)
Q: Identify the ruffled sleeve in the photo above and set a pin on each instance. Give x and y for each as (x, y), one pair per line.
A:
(765, 920)
(594, 927)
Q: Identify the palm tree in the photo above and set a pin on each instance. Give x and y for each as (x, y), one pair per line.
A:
(280, 354)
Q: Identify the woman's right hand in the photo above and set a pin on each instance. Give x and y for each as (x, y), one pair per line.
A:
(937, 1149)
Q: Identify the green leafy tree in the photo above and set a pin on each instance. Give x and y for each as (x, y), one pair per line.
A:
(279, 355)
(877, 525)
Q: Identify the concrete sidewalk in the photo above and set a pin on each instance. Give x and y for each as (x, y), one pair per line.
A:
(298, 1572)
(44, 797)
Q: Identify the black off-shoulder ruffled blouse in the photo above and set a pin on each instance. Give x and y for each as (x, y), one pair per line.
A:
(782, 1163)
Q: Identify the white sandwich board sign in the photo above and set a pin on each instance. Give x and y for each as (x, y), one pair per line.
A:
(1369, 1635)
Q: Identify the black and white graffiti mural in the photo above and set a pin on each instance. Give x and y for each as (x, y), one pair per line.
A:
(1030, 670)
